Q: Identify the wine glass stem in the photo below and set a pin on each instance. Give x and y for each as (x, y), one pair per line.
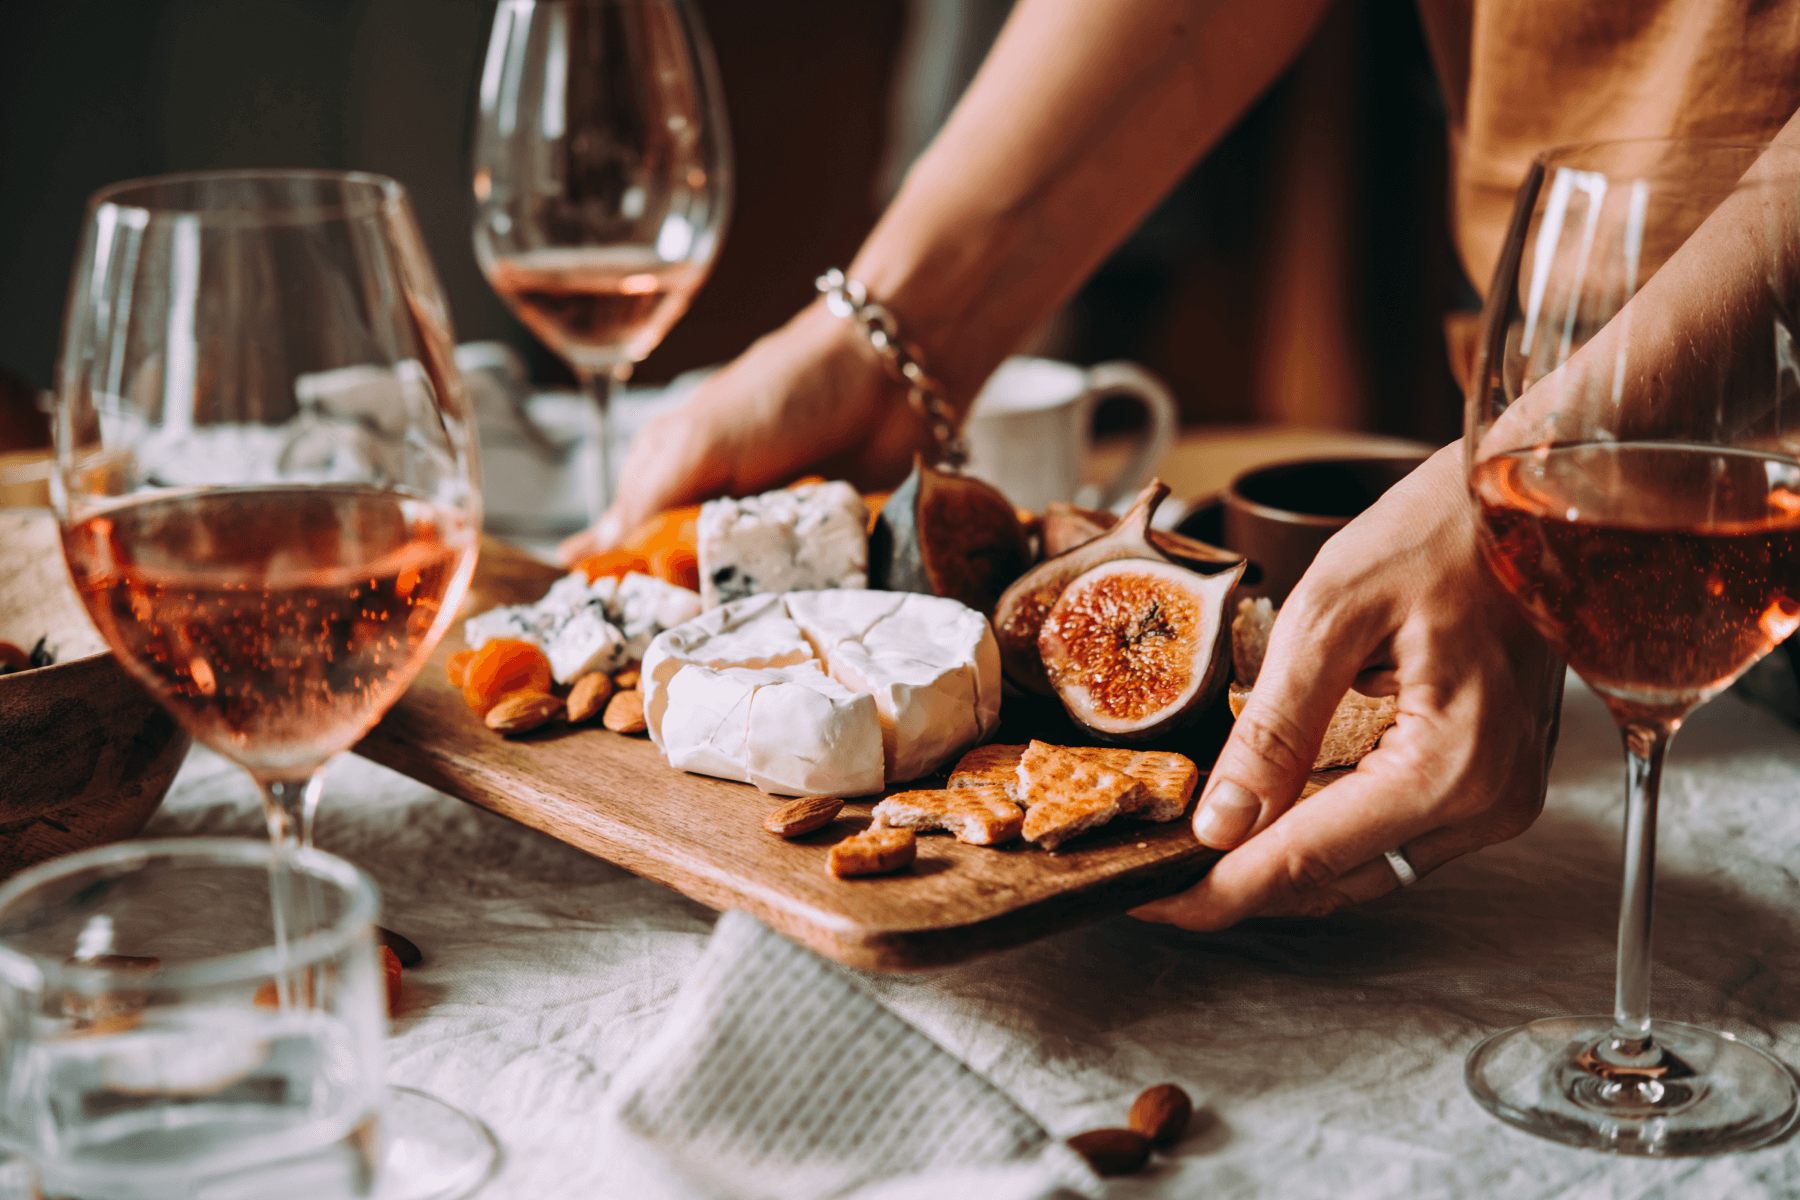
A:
(596, 469)
(1644, 747)
(289, 805)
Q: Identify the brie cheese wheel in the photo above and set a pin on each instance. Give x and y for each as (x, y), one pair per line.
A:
(928, 669)
(811, 536)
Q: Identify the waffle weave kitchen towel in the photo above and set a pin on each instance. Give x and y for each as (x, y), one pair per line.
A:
(776, 1076)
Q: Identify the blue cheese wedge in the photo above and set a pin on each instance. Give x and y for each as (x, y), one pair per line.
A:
(799, 539)
(584, 627)
(927, 668)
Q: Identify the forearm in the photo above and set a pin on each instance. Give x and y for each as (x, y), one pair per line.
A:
(1084, 115)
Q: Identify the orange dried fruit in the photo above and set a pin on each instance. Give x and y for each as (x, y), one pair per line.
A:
(674, 527)
(390, 975)
(616, 563)
(458, 667)
(678, 565)
(500, 668)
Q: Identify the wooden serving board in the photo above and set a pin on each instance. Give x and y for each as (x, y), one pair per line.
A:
(615, 797)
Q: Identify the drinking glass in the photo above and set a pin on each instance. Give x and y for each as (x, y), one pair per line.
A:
(602, 178)
(1631, 443)
(266, 472)
(140, 1053)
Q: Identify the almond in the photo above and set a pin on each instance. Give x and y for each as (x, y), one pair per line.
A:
(1161, 1114)
(803, 815)
(589, 696)
(628, 679)
(522, 711)
(625, 713)
(1112, 1151)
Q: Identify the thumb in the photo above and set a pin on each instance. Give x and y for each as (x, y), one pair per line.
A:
(1269, 755)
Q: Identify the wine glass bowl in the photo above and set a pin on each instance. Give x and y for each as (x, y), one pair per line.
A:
(602, 181)
(1632, 460)
(266, 476)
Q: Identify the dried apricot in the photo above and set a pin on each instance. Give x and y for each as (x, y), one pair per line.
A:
(673, 527)
(617, 563)
(458, 667)
(678, 565)
(390, 977)
(502, 667)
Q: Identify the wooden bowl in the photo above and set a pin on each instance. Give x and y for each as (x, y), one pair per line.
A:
(85, 753)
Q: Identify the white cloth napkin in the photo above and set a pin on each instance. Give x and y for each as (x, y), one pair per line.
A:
(775, 1075)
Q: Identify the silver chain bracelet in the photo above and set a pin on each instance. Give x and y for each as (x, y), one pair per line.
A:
(848, 298)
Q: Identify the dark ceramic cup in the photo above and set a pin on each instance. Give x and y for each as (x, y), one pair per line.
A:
(1279, 516)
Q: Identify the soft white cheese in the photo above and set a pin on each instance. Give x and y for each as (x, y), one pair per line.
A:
(796, 539)
(792, 731)
(924, 664)
(928, 667)
(754, 632)
(582, 627)
(586, 642)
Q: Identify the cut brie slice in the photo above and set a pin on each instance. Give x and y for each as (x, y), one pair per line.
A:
(929, 667)
(792, 731)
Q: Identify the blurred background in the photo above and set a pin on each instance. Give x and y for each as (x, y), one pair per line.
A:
(1300, 275)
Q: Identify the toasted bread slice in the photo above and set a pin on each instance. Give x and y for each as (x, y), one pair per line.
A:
(875, 851)
(989, 766)
(1250, 631)
(1169, 779)
(981, 816)
(1066, 793)
(1356, 726)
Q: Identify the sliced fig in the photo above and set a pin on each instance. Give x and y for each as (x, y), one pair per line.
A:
(1065, 527)
(1021, 611)
(947, 535)
(1136, 648)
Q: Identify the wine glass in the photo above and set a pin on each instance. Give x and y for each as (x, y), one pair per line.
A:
(267, 484)
(602, 178)
(1631, 445)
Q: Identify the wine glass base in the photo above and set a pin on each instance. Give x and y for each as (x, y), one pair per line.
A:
(1707, 1093)
(431, 1151)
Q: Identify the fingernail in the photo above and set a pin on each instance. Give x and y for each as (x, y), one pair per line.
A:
(1229, 812)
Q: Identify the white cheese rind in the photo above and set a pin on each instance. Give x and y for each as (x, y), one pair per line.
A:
(929, 667)
(791, 731)
(754, 632)
(797, 539)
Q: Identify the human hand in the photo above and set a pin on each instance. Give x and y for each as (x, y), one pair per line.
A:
(807, 397)
(1398, 603)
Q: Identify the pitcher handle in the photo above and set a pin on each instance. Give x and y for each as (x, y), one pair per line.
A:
(1128, 379)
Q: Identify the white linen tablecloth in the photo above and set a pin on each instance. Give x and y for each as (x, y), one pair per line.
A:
(1325, 1056)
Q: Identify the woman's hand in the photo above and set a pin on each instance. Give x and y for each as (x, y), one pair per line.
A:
(1399, 603)
(806, 398)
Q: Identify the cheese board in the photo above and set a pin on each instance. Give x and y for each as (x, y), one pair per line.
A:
(615, 797)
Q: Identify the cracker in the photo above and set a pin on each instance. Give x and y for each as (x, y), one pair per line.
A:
(981, 816)
(877, 850)
(1066, 794)
(989, 766)
(1169, 779)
